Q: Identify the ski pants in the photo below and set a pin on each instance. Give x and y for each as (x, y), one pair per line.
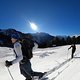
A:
(27, 71)
(73, 51)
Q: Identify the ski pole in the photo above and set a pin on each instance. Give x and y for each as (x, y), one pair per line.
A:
(10, 73)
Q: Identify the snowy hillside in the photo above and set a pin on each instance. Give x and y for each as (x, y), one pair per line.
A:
(55, 60)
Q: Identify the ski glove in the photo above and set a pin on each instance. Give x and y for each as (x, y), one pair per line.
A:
(8, 63)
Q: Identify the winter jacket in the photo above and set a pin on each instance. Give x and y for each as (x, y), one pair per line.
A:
(18, 53)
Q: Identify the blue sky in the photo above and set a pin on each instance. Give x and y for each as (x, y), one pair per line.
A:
(56, 17)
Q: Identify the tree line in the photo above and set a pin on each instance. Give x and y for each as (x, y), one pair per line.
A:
(66, 41)
(55, 41)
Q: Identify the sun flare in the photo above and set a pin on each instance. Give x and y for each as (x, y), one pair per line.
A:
(33, 26)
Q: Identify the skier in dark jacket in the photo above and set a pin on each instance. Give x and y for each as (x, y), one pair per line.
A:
(73, 46)
(25, 65)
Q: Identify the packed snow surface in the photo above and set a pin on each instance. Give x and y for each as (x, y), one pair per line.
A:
(55, 60)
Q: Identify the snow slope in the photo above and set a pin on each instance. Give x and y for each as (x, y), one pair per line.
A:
(55, 60)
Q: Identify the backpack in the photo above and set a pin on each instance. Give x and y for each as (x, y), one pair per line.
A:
(27, 45)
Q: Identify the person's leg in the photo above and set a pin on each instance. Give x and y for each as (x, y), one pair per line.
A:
(28, 79)
(25, 70)
(28, 72)
(73, 51)
(40, 74)
(26, 75)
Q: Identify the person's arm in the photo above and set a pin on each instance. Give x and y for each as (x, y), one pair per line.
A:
(35, 46)
(69, 47)
(17, 48)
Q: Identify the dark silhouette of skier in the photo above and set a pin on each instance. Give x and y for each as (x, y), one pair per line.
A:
(73, 46)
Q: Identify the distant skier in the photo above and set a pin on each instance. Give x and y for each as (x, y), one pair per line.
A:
(24, 61)
(73, 46)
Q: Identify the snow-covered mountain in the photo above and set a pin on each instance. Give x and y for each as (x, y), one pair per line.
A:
(56, 61)
(43, 39)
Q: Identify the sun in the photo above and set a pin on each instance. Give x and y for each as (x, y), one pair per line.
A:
(33, 26)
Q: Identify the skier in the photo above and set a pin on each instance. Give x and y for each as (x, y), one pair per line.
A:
(73, 46)
(24, 64)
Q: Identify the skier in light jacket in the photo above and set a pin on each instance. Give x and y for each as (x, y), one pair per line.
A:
(25, 65)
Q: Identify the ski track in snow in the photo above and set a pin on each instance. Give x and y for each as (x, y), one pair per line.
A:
(55, 61)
